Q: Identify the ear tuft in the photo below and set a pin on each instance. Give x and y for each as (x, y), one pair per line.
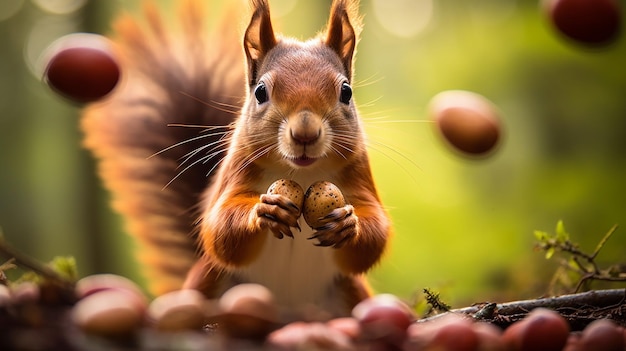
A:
(259, 38)
(344, 27)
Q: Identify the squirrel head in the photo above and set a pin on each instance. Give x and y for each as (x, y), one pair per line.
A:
(299, 109)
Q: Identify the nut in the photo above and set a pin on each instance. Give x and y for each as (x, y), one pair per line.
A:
(319, 201)
(288, 188)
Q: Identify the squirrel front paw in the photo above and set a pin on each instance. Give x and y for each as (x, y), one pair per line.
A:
(278, 214)
(337, 228)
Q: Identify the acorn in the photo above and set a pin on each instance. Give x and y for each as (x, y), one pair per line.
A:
(319, 201)
(288, 188)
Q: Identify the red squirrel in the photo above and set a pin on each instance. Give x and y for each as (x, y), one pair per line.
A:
(196, 202)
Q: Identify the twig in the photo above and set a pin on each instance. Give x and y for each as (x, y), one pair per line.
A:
(579, 309)
(26, 261)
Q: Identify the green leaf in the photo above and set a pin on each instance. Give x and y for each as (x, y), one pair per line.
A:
(66, 266)
(549, 253)
(561, 234)
(540, 235)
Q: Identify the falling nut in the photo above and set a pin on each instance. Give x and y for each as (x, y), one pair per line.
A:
(82, 67)
(319, 201)
(467, 121)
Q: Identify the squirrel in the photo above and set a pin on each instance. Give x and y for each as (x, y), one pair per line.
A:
(279, 108)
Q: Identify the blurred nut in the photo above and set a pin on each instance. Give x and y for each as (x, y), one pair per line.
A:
(603, 335)
(82, 67)
(467, 121)
(25, 293)
(247, 311)
(109, 313)
(308, 336)
(99, 282)
(5, 296)
(178, 310)
(589, 22)
(383, 317)
(347, 325)
(489, 337)
(542, 329)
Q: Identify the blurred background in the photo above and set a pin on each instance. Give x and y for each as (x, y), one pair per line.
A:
(463, 225)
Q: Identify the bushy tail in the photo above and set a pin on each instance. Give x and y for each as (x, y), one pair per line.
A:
(170, 80)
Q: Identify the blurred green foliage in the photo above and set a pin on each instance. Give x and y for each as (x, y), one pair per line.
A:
(463, 226)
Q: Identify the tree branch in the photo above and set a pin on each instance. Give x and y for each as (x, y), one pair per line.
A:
(578, 309)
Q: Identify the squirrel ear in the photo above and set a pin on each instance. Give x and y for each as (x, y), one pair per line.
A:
(259, 38)
(344, 27)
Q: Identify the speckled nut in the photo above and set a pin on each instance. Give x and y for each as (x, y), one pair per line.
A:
(109, 313)
(319, 201)
(178, 310)
(247, 311)
(288, 188)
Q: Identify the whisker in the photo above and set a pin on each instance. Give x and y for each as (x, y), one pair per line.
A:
(374, 145)
(207, 127)
(186, 141)
(367, 81)
(256, 155)
(219, 145)
(336, 150)
(382, 120)
(202, 160)
(216, 105)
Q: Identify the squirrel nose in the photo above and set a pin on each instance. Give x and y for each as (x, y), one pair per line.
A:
(305, 136)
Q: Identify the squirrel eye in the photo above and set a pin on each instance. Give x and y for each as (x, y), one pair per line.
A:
(260, 92)
(346, 93)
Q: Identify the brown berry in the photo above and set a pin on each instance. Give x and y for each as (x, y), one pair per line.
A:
(319, 201)
(467, 121)
(82, 67)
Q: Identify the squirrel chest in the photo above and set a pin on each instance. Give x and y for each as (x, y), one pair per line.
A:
(299, 274)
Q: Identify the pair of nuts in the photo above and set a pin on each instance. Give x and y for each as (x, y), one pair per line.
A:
(319, 200)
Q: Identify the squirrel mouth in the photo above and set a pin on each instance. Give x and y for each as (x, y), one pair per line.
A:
(303, 161)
